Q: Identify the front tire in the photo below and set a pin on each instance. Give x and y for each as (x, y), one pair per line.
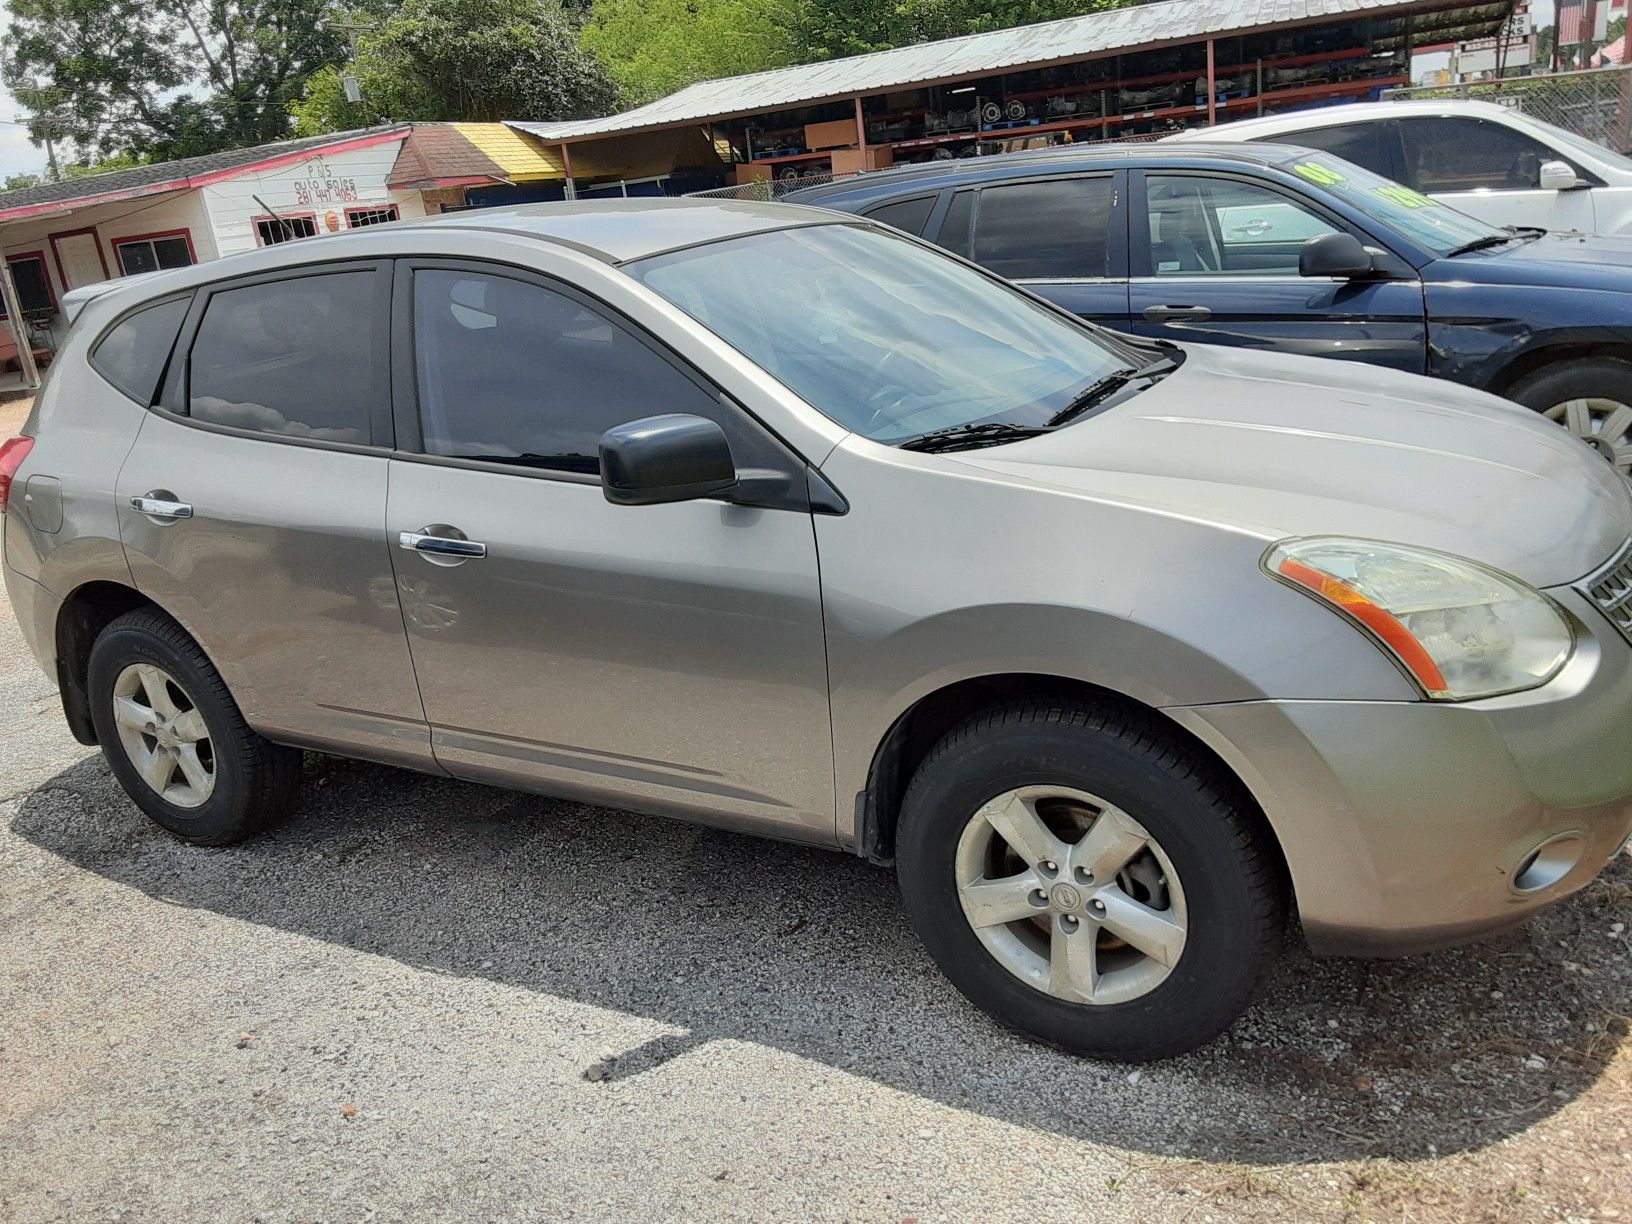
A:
(1089, 878)
(1592, 398)
(175, 738)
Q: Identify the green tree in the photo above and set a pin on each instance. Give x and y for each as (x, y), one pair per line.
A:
(16, 182)
(465, 60)
(119, 161)
(654, 47)
(164, 78)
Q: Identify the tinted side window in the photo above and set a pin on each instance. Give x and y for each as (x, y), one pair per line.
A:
(1055, 228)
(954, 235)
(1364, 144)
(294, 357)
(1467, 154)
(908, 216)
(512, 372)
(133, 355)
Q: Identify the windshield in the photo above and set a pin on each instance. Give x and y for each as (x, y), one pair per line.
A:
(1427, 221)
(886, 337)
(1575, 143)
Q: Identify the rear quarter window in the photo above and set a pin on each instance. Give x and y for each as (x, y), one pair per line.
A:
(133, 353)
(908, 216)
(1365, 144)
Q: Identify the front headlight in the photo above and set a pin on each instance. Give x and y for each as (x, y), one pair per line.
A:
(1460, 630)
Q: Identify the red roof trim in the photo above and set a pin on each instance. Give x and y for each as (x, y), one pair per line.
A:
(201, 180)
(472, 180)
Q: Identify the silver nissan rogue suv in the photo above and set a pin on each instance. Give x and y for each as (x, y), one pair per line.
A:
(783, 521)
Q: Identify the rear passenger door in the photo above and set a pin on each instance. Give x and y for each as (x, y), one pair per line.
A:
(1064, 238)
(1216, 262)
(252, 505)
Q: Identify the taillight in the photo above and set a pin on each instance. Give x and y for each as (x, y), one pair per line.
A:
(12, 453)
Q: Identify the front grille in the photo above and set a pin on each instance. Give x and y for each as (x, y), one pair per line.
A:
(1611, 590)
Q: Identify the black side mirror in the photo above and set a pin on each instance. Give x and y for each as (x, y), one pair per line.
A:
(1339, 255)
(667, 458)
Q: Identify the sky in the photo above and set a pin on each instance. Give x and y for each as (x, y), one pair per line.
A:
(17, 156)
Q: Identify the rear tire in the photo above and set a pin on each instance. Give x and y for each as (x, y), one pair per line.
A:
(175, 738)
(1187, 873)
(1592, 398)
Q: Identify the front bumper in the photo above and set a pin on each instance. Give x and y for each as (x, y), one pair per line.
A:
(1407, 826)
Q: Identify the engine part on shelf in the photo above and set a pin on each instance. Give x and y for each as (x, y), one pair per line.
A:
(1240, 84)
(1015, 110)
(1301, 74)
(879, 132)
(1365, 66)
(990, 112)
(1156, 95)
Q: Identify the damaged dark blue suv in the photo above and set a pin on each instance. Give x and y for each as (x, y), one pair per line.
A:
(1275, 247)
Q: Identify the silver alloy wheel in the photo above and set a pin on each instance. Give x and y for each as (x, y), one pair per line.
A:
(1604, 424)
(163, 734)
(1071, 895)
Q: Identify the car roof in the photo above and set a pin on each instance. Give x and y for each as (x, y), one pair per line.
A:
(623, 229)
(614, 231)
(931, 176)
(1330, 116)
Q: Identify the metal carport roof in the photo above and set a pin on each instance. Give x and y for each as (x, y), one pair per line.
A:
(973, 55)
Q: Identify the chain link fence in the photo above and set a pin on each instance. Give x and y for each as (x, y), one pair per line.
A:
(1596, 103)
(765, 190)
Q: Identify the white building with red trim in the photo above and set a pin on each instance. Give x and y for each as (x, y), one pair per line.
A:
(62, 236)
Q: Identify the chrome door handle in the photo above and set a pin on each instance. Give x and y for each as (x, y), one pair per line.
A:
(1176, 314)
(440, 546)
(158, 507)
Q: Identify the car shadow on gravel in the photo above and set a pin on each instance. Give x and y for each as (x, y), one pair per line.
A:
(723, 936)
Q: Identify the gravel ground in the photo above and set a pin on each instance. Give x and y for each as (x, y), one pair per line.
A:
(12, 415)
(425, 1000)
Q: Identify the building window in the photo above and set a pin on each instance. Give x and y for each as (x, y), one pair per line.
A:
(150, 252)
(269, 231)
(33, 288)
(371, 216)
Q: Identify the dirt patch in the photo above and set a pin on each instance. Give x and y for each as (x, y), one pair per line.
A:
(12, 415)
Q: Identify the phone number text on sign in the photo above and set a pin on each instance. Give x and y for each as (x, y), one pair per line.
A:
(325, 191)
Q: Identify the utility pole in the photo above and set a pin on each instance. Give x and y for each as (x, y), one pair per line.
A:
(348, 78)
(49, 122)
(46, 122)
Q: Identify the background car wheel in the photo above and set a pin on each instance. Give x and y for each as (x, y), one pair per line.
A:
(174, 738)
(1087, 877)
(1592, 398)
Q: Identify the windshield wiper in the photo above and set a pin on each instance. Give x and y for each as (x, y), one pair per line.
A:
(1097, 393)
(967, 437)
(1513, 234)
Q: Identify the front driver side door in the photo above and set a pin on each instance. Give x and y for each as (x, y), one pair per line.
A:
(1216, 262)
(1492, 172)
(666, 657)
